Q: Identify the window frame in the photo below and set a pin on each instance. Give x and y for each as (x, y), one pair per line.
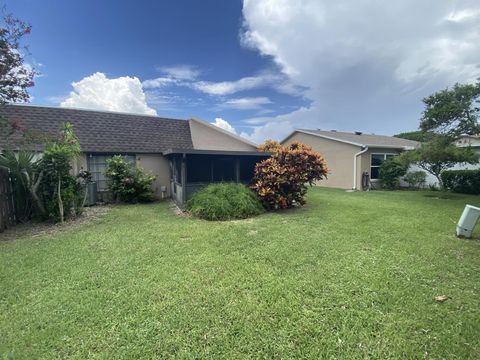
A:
(385, 154)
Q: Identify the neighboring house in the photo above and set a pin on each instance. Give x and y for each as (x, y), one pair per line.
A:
(464, 141)
(184, 155)
(349, 155)
(469, 140)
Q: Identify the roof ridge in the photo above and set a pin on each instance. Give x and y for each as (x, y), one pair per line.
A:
(92, 110)
(345, 132)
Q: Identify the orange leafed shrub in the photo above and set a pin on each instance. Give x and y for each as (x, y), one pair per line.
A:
(281, 180)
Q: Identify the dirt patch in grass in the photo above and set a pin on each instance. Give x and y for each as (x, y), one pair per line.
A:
(37, 229)
(177, 211)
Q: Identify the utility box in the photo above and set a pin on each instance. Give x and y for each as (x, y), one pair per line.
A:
(467, 221)
(91, 194)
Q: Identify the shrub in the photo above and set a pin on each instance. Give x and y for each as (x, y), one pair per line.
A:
(462, 181)
(415, 179)
(58, 187)
(224, 201)
(390, 172)
(128, 183)
(281, 180)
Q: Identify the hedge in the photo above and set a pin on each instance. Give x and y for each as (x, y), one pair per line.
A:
(224, 201)
(462, 181)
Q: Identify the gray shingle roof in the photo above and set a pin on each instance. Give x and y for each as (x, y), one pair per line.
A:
(101, 131)
(363, 139)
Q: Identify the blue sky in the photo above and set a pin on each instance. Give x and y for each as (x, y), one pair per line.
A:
(264, 66)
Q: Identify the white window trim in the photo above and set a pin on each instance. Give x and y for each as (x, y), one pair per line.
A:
(377, 166)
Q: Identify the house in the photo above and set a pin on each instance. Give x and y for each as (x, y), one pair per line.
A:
(350, 155)
(469, 140)
(184, 155)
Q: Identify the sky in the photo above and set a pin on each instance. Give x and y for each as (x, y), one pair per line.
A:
(259, 68)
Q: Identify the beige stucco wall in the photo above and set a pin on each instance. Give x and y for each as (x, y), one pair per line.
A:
(339, 157)
(158, 166)
(208, 137)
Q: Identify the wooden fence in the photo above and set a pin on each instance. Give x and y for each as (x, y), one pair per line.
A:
(7, 202)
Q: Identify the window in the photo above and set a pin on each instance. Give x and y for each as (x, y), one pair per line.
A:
(97, 164)
(377, 161)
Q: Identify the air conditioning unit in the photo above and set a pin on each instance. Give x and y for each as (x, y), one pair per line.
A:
(91, 194)
(467, 221)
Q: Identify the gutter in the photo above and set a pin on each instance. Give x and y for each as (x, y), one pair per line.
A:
(355, 166)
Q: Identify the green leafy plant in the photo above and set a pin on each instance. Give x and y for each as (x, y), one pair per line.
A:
(59, 188)
(453, 111)
(84, 178)
(415, 179)
(281, 180)
(26, 178)
(224, 201)
(128, 183)
(462, 181)
(390, 172)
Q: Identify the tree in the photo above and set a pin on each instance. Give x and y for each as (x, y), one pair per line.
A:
(15, 76)
(453, 112)
(58, 185)
(438, 155)
(420, 136)
(280, 181)
(390, 172)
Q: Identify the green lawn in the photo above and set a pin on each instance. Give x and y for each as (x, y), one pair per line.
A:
(350, 275)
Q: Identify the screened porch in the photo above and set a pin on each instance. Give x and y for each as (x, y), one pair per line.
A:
(193, 169)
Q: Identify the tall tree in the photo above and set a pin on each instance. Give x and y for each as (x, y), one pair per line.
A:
(15, 75)
(453, 112)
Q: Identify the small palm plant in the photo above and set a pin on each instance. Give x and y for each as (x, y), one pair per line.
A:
(22, 167)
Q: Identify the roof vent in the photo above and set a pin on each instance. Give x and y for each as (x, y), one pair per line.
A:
(358, 133)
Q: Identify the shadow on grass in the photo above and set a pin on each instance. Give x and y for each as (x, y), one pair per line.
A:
(442, 196)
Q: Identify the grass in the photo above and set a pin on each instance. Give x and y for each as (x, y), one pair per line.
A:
(350, 275)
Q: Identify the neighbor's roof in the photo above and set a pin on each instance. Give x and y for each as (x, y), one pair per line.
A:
(362, 140)
(103, 131)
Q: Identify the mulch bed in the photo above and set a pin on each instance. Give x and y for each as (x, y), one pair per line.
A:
(37, 229)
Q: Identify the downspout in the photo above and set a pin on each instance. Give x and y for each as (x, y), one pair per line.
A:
(355, 166)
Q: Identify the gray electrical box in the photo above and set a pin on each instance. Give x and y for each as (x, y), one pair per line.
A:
(467, 221)
(91, 194)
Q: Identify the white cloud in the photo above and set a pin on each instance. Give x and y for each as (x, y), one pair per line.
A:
(247, 103)
(98, 92)
(263, 79)
(230, 87)
(366, 64)
(223, 124)
(158, 82)
(182, 72)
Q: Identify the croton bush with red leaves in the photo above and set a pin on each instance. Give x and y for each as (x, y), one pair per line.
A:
(281, 180)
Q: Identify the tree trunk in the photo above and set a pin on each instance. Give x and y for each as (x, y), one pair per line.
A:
(60, 202)
(33, 188)
(440, 182)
